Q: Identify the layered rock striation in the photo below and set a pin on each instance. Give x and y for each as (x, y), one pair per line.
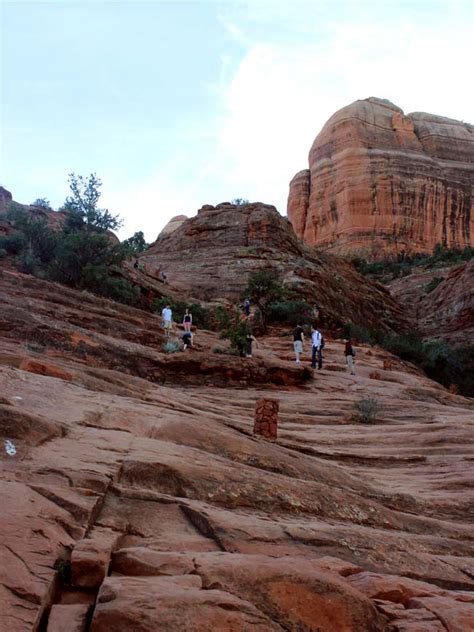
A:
(381, 182)
(447, 312)
(211, 256)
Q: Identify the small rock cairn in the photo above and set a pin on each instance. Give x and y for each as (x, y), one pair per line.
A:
(266, 418)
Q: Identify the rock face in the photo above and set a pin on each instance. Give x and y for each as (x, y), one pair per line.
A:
(380, 182)
(5, 199)
(172, 225)
(138, 498)
(211, 256)
(446, 312)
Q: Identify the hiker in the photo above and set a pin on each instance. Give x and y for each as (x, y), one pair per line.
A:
(187, 320)
(163, 277)
(187, 340)
(249, 339)
(135, 265)
(247, 307)
(167, 316)
(316, 342)
(298, 341)
(350, 354)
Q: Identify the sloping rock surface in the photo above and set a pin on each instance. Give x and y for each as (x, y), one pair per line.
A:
(447, 312)
(211, 256)
(380, 182)
(173, 515)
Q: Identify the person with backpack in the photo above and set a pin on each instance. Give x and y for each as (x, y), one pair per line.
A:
(317, 342)
(298, 341)
(350, 354)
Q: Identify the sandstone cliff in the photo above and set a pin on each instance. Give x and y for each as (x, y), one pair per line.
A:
(211, 256)
(5, 199)
(380, 182)
(174, 223)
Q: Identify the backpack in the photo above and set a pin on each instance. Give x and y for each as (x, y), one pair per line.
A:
(321, 346)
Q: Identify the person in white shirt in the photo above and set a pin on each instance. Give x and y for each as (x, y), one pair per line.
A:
(167, 316)
(316, 339)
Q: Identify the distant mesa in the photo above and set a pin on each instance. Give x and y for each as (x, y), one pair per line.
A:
(380, 182)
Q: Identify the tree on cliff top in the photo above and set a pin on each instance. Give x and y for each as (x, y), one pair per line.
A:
(135, 244)
(82, 209)
(264, 288)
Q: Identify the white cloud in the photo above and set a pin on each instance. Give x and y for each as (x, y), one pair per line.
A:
(281, 94)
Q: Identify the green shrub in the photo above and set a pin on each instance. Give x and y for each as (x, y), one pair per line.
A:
(171, 347)
(388, 270)
(367, 410)
(135, 245)
(442, 362)
(406, 345)
(27, 263)
(13, 244)
(359, 333)
(264, 288)
(291, 313)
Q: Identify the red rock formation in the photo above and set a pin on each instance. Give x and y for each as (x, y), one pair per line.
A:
(380, 182)
(5, 199)
(447, 312)
(212, 255)
(174, 223)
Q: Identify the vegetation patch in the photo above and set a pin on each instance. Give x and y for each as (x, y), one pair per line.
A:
(442, 362)
(367, 410)
(386, 271)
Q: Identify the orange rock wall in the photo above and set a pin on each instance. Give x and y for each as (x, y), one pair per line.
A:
(381, 182)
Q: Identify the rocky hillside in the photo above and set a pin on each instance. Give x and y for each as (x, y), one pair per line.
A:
(211, 256)
(135, 497)
(445, 312)
(380, 182)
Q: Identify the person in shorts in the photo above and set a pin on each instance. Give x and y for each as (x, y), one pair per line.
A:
(298, 342)
(187, 321)
(167, 316)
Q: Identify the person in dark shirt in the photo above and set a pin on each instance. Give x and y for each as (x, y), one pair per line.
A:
(187, 340)
(350, 354)
(298, 341)
(247, 307)
(249, 338)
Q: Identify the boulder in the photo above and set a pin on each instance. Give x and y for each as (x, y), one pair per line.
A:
(153, 604)
(68, 618)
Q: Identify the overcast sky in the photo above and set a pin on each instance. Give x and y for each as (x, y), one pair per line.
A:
(178, 104)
